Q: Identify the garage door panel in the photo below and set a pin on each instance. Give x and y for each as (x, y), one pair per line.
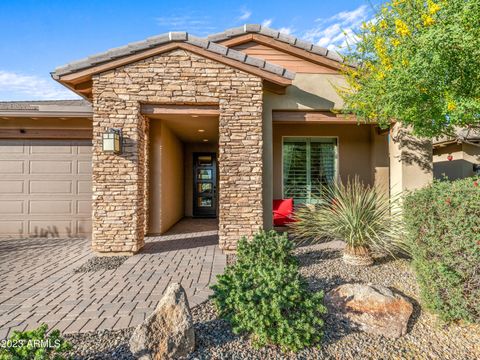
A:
(84, 187)
(51, 149)
(11, 207)
(84, 167)
(84, 207)
(54, 228)
(45, 188)
(11, 166)
(50, 207)
(11, 228)
(84, 150)
(50, 167)
(14, 147)
(84, 227)
(11, 186)
(50, 187)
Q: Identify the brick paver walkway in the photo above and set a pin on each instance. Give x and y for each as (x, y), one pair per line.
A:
(37, 283)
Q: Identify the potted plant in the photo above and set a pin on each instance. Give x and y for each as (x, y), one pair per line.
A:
(364, 217)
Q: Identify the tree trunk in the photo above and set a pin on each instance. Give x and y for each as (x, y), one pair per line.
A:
(357, 256)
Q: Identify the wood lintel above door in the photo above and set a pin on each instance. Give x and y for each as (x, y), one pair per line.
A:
(169, 109)
(323, 117)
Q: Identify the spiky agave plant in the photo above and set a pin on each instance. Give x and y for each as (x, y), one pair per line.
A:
(364, 217)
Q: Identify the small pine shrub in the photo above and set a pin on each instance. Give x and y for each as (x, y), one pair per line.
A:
(34, 345)
(443, 226)
(264, 295)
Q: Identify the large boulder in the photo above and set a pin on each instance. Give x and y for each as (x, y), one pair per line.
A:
(374, 309)
(168, 332)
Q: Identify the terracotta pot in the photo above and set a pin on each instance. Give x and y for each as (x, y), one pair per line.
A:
(357, 256)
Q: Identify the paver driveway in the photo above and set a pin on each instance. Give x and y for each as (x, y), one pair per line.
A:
(38, 285)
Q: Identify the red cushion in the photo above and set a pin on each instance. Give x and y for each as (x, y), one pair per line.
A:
(282, 212)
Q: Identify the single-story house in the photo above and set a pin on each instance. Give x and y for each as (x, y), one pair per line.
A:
(179, 126)
(457, 158)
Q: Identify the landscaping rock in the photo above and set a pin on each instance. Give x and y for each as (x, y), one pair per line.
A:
(168, 333)
(375, 309)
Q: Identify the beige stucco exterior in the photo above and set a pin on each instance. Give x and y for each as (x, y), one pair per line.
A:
(356, 153)
(167, 176)
(410, 161)
(463, 158)
(148, 187)
(308, 91)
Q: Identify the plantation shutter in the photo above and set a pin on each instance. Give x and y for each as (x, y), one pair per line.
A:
(308, 164)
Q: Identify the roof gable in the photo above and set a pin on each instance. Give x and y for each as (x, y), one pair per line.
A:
(77, 75)
(283, 42)
(292, 62)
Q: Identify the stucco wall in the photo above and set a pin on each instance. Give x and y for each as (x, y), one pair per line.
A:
(410, 160)
(166, 178)
(380, 159)
(461, 165)
(307, 92)
(354, 149)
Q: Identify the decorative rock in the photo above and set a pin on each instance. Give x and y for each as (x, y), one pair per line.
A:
(167, 333)
(375, 309)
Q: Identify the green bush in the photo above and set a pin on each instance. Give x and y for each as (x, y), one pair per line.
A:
(264, 295)
(443, 226)
(34, 345)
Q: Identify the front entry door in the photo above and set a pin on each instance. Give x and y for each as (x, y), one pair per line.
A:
(204, 185)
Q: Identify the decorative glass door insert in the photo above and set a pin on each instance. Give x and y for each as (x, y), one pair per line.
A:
(205, 185)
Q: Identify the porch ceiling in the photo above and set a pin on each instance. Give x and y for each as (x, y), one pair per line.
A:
(187, 127)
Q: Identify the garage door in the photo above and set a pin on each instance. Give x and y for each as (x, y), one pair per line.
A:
(45, 188)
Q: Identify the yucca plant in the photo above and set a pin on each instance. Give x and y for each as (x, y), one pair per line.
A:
(364, 217)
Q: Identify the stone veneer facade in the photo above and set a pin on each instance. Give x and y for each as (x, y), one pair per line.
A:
(120, 182)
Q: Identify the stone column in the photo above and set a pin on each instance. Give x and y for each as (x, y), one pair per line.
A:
(410, 160)
(119, 182)
(240, 165)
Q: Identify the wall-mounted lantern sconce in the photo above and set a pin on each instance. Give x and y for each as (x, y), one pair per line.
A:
(112, 141)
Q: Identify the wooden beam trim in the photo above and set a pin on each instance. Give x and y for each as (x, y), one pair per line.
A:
(319, 59)
(237, 40)
(87, 85)
(161, 109)
(74, 134)
(84, 75)
(312, 116)
(285, 47)
(274, 88)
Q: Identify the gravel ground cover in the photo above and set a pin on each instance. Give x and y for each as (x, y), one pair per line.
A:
(101, 263)
(324, 269)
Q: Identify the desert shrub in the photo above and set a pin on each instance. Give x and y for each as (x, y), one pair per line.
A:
(443, 226)
(264, 295)
(34, 345)
(359, 215)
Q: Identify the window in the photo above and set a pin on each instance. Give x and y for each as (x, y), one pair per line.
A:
(309, 163)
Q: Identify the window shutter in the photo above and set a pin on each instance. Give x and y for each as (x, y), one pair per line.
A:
(308, 164)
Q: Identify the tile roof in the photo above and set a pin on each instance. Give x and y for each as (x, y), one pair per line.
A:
(38, 105)
(275, 34)
(179, 36)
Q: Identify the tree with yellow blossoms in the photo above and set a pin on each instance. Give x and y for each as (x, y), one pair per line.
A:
(418, 62)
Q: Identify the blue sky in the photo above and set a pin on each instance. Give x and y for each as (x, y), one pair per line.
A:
(38, 36)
